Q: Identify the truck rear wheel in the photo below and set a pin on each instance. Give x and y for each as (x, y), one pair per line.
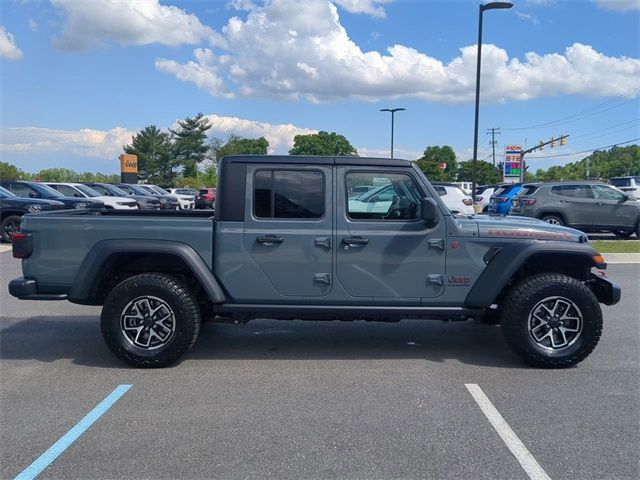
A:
(551, 320)
(150, 320)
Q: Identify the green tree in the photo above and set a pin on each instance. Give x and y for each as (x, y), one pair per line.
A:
(58, 175)
(236, 145)
(154, 150)
(322, 143)
(190, 143)
(486, 173)
(432, 161)
(9, 172)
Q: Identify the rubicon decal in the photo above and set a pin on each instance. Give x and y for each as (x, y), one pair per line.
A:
(539, 234)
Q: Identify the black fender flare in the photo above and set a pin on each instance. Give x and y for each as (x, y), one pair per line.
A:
(504, 264)
(85, 281)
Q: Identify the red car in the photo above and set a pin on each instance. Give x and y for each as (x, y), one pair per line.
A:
(206, 198)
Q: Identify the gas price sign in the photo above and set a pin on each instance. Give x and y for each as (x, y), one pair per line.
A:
(512, 161)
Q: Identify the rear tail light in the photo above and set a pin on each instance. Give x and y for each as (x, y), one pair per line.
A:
(467, 201)
(502, 199)
(529, 201)
(21, 247)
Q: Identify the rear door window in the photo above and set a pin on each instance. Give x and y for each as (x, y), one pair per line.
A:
(576, 191)
(620, 182)
(288, 194)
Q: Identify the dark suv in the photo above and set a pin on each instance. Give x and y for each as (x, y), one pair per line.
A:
(27, 189)
(587, 206)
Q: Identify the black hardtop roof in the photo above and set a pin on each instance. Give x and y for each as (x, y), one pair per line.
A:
(316, 160)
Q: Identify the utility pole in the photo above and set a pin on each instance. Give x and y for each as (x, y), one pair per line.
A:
(493, 131)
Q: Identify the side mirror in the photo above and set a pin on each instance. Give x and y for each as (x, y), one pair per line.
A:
(34, 195)
(429, 212)
(77, 195)
(625, 197)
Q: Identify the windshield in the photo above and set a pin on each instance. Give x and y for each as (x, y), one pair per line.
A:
(159, 190)
(115, 190)
(47, 190)
(89, 192)
(137, 189)
(147, 190)
(4, 193)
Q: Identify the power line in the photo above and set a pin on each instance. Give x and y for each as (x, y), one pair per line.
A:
(635, 120)
(583, 114)
(586, 151)
(605, 134)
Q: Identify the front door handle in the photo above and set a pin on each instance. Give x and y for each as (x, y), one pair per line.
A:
(354, 242)
(269, 239)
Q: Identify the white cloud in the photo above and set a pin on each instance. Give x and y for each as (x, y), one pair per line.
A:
(279, 136)
(33, 25)
(87, 142)
(619, 5)
(8, 47)
(107, 144)
(203, 72)
(528, 17)
(295, 50)
(367, 7)
(88, 24)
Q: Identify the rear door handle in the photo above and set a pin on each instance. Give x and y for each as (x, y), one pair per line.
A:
(355, 241)
(269, 239)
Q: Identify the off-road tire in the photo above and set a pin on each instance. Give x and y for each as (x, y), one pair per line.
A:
(11, 219)
(168, 289)
(523, 298)
(553, 219)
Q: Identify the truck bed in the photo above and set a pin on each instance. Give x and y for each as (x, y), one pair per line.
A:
(64, 238)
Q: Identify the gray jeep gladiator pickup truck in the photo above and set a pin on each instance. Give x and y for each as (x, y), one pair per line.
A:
(296, 238)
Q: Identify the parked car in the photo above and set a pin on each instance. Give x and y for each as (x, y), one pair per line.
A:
(454, 198)
(187, 202)
(167, 201)
(80, 190)
(12, 208)
(26, 189)
(286, 244)
(206, 198)
(630, 185)
(587, 206)
(483, 195)
(464, 186)
(144, 202)
(183, 191)
(500, 201)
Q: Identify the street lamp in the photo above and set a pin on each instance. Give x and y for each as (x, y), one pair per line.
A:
(393, 111)
(488, 6)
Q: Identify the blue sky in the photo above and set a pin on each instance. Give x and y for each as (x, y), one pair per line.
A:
(79, 76)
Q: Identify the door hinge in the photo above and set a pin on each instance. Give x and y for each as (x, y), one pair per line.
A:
(322, 278)
(323, 242)
(437, 243)
(436, 278)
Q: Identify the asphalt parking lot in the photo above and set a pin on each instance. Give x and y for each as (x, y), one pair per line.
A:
(316, 400)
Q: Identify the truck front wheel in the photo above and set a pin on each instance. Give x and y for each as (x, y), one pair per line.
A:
(551, 320)
(150, 320)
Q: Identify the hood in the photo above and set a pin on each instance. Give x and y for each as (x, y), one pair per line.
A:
(19, 202)
(500, 226)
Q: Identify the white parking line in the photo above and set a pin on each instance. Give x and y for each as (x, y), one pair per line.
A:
(529, 464)
(5, 248)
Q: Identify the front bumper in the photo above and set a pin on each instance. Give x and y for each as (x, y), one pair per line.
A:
(605, 290)
(27, 289)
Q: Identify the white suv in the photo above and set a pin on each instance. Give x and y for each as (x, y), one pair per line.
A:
(629, 185)
(79, 190)
(454, 198)
(186, 202)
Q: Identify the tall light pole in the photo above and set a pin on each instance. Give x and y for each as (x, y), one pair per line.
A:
(393, 111)
(487, 6)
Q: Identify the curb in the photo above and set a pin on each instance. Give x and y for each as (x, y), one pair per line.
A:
(614, 258)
